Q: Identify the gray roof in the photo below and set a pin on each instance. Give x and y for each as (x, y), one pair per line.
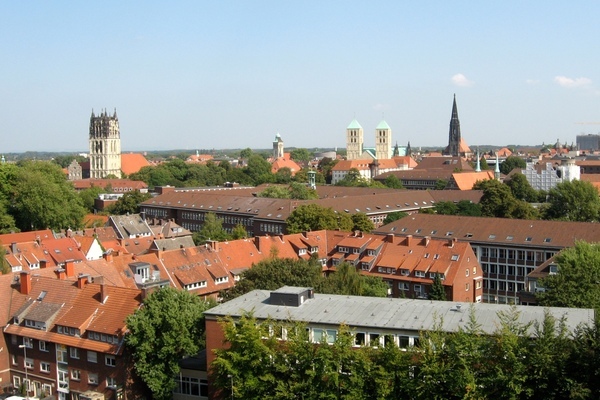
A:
(389, 314)
(174, 243)
(130, 225)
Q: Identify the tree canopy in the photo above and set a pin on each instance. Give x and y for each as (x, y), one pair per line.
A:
(511, 163)
(168, 327)
(129, 203)
(212, 230)
(312, 217)
(498, 201)
(573, 201)
(576, 284)
(37, 195)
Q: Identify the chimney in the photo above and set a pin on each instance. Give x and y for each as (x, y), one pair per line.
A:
(451, 242)
(108, 257)
(60, 273)
(257, 242)
(143, 215)
(82, 281)
(426, 240)
(390, 238)
(103, 293)
(408, 241)
(70, 268)
(13, 248)
(43, 263)
(25, 280)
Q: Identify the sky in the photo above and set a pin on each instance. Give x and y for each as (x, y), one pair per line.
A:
(232, 74)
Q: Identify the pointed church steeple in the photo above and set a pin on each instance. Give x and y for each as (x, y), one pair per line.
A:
(408, 150)
(497, 170)
(454, 138)
(478, 167)
(396, 152)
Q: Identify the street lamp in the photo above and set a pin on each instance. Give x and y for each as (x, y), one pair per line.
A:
(24, 347)
(230, 376)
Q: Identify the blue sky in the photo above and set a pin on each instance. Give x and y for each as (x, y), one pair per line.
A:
(232, 74)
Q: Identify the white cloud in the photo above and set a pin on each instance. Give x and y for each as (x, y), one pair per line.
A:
(572, 83)
(461, 80)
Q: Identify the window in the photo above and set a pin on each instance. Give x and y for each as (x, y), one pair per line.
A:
(76, 374)
(44, 366)
(14, 359)
(420, 274)
(467, 272)
(478, 284)
(359, 339)
(61, 353)
(92, 356)
(403, 285)
(403, 342)
(74, 352)
(92, 378)
(110, 360)
(28, 342)
(467, 287)
(404, 272)
(29, 363)
(111, 382)
(43, 345)
(374, 339)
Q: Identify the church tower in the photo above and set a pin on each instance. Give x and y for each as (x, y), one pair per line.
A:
(105, 145)
(383, 141)
(354, 140)
(454, 138)
(277, 147)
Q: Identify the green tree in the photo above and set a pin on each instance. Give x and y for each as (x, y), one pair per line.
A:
(43, 198)
(312, 217)
(212, 229)
(394, 216)
(275, 192)
(129, 203)
(88, 196)
(275, 272)
(362, 222)
(259, 170)
(468, 208)
(283, 175)
(299, 191)
(521, 189)
(301, 155)
(246, 153)
(573, 201)
(437, 291)
(498, 201)
(169, 327)
(511, 163)
(441, 184)
(445, 208)
(393, 182)
(348, 281)
(483, 164)
(239, 232)
(576, 283)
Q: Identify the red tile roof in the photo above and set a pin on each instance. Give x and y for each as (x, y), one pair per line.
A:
(133, 162)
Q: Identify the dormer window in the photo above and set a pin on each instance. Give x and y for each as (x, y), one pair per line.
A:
(553, 270)
(314, 249)
(420, 274)
(301, 252)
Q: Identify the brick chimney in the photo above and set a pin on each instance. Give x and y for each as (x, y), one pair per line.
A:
(82, 281)
(13, 248)
(70, 268)
(25, 280)
(426, 240)
(257, 242)
(409, 241)
(108, 257)
(389, 238)
(451, 242)
(103, 293)
(60, 273)
(43, 263)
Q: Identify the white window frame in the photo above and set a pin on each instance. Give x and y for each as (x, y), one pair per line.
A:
(74, 353)
(44, 366)
(28, 342)
(29, 363)
(76, 374)
(93, 378)
(43, 346)
(92, 356)
(110, 360)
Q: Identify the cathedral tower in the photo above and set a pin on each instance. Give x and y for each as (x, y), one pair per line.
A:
(383, 141)
(277, 147)
(454, 138)
(354, 140)
(105, 145)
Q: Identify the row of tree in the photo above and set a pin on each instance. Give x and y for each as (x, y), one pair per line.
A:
(468, 364)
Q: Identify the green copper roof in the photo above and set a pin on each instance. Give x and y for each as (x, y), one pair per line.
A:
(354, 125)
(383, 125)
